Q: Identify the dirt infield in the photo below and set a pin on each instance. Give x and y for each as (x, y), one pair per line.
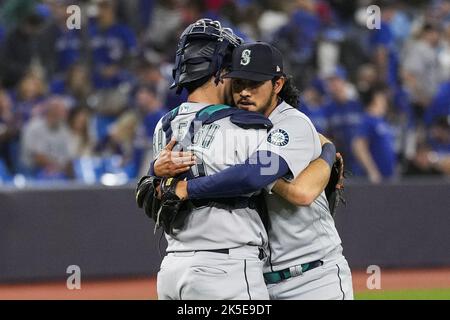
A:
(405, 279)
(134, 289)
(145, 288)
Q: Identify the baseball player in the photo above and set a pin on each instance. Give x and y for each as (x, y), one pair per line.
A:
(218, 244)
(305, 253)
(306, 260)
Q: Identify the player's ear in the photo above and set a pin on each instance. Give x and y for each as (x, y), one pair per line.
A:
(278, 84)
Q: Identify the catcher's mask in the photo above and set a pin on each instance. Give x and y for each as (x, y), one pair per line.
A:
(204, 49)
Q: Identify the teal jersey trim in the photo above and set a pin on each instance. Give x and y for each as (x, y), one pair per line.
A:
(212, 109)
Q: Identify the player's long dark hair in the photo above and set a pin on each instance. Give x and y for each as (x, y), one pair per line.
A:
(289, 93)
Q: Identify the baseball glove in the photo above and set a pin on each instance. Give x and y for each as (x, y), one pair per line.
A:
(334, 190)
(147, 195)
(171, 205)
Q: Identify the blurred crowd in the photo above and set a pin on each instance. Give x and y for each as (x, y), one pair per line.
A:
(81, 104)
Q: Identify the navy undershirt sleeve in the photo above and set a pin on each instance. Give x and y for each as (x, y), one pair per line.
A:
(261, 169)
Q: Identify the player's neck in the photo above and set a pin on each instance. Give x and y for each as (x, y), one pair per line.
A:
(205, 96)
(209, 92)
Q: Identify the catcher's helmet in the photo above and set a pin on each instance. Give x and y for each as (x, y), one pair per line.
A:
(204, 49)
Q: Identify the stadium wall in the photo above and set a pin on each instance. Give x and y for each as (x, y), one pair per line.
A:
(43, 231)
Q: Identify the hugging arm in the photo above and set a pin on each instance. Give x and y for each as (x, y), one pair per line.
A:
(249, 177)
(310, 183)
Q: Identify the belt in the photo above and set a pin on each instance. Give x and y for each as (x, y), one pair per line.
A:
(261, 254)
(277, 276)
(224, 251)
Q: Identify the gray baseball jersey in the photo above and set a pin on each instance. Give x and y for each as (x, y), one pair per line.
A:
(217, 146)
(297, 234)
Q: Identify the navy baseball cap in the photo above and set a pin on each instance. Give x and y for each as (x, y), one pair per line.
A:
(256, 61)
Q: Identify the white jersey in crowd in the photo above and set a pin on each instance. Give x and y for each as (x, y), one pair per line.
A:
(39, 138)
(217, 146)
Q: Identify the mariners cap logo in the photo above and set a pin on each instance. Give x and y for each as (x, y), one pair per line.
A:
(278, 137)
(278, 69)
(245, 57)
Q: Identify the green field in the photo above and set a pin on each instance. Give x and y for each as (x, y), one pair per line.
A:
(432, 294)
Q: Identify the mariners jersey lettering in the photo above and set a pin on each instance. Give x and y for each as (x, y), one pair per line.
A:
(217, 146)
(298, 234)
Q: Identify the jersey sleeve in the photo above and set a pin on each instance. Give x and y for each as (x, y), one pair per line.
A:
(237, 180)
(296, 141)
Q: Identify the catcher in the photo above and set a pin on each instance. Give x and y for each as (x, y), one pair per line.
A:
(301, 238)
(213, 247)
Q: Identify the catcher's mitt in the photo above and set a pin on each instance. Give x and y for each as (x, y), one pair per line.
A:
(170, 205)
(334, 190)
(147, 195)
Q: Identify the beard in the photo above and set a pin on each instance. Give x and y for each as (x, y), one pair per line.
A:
(267, 105)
